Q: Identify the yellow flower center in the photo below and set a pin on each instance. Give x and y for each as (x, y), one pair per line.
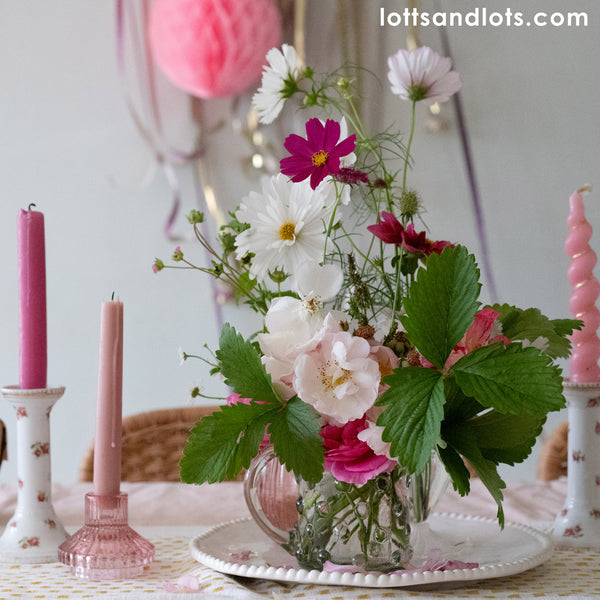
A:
(328, 381)
(319, 158)
(287, 231)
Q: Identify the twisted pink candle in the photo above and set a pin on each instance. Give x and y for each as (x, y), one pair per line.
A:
(583, 364)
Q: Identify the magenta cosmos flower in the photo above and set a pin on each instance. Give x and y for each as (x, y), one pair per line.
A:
(319, 154)
(390, 231)
(350, 459)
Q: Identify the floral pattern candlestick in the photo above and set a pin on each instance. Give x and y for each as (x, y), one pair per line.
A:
(34, 532)
(578, 524)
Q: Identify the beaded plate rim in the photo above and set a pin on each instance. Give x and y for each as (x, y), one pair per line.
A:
(206, 547)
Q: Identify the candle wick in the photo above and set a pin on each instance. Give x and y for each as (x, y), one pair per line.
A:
(113, 296)
(586, 189)
(32, 204)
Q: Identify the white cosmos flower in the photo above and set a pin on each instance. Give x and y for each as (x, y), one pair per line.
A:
(287, 226)
(278, 83)
(338, 377)
(422, 74)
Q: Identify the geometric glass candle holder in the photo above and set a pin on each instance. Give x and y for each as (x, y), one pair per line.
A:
(34, 532)
(106, 547)
(578, 523)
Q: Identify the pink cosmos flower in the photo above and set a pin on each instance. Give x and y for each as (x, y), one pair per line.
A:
(318, 155)
(422, 74)
(237, 399)
(484, 331)
(350, 459)
(390, 231)
(419, 243)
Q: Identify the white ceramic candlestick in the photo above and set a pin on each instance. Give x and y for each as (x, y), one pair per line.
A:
(578, 523)
(34, 532)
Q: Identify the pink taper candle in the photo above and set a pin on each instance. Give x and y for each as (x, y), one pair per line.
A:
(31, 254)
(583, 364)
(107, 447)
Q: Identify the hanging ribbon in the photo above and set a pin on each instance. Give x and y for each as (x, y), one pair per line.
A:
(166, 156)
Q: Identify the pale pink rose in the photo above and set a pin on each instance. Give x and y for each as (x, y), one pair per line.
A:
(371, 435)
(339, 377)
(350, 459)
(387, 361)
(293, 328)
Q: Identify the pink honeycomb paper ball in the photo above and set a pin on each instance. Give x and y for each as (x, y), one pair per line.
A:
(213, 48)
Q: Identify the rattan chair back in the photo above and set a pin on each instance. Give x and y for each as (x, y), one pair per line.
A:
(152, 444)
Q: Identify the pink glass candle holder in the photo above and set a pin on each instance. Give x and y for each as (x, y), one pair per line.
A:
(34, 532)
(578, 523)
(106, 547)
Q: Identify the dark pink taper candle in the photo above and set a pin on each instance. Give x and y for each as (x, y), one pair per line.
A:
(32, 300)
(107, 447)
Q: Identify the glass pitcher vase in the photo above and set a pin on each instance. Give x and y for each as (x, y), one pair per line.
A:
(332, 523)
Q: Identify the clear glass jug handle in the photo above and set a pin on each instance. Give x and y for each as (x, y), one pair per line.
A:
(271, 493)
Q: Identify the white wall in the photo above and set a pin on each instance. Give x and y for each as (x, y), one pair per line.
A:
(69, 145)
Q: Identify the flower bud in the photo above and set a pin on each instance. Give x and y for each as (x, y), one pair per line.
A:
(177, 254)
(158, 265)
(278, 276)
(195, 216)
(409, 203)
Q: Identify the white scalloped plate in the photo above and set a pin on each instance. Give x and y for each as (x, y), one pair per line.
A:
(471, 539)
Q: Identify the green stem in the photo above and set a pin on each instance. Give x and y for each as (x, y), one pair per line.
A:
(408, 146)
(331, 223)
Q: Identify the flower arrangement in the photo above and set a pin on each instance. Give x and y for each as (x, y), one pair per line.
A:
(375, 351)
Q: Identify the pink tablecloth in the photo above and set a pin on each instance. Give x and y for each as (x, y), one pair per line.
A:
(159, 503)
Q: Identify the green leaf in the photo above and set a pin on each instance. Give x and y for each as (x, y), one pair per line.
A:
(455, 467)
(459, 407)
(506, 439)
(511, 379)
(464, 443)
(442, 303)
(245, 284)
(531, 324)
(223, 443)
(242, 368)
(413, 415)
(296, 441)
